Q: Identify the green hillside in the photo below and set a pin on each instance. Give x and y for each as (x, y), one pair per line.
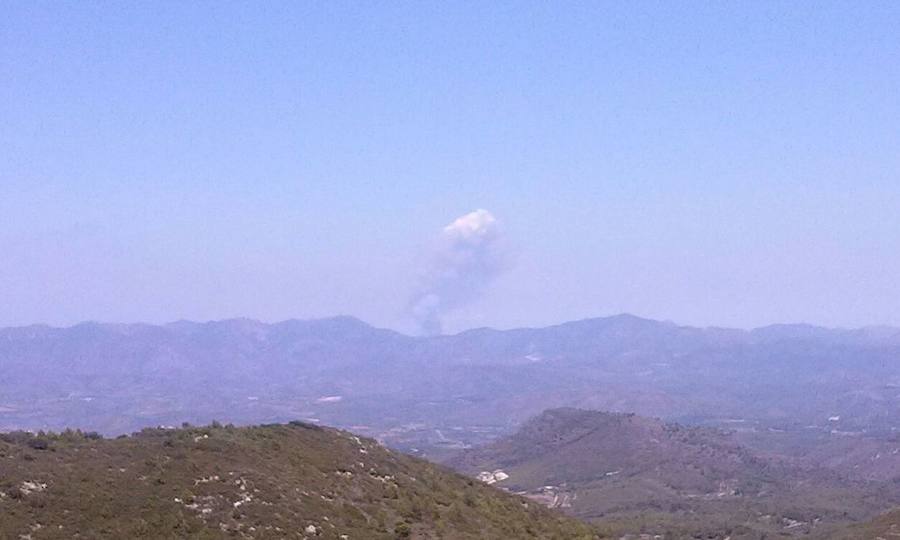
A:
(274, 481)
(883, 527)
(631, 475)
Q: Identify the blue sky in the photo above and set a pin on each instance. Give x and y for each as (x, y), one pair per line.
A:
(707, 163)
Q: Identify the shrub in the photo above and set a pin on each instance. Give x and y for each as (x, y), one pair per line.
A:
(402, 530)
(38, 443)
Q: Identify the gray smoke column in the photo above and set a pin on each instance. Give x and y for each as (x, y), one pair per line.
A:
(467, 258)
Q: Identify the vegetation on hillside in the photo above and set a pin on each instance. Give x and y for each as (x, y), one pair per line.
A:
(883, 527)
(275, 481)
(631, 475)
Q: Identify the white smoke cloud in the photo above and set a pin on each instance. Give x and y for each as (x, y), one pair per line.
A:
(467, 258)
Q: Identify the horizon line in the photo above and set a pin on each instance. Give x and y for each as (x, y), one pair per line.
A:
(354, 318)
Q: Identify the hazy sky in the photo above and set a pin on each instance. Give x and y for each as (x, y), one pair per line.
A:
(709, 163)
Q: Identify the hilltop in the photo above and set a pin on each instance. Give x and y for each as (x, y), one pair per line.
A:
(630, 474)
(275, 481)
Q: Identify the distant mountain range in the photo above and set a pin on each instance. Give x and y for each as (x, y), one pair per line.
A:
(787, 430)
(435, 395)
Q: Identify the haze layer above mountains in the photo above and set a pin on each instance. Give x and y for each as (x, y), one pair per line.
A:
(443, 393)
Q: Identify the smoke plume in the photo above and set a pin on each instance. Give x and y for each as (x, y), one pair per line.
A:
(467, 258)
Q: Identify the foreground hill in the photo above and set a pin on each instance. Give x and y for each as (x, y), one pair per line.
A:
(277, 481)
(631, 474)
(438, 394)
(883, 527)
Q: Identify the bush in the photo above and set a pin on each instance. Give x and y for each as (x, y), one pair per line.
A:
(402, 530)
(38, 443)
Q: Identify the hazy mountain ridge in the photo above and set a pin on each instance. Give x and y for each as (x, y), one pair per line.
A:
(443, 391)
(790, 396)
